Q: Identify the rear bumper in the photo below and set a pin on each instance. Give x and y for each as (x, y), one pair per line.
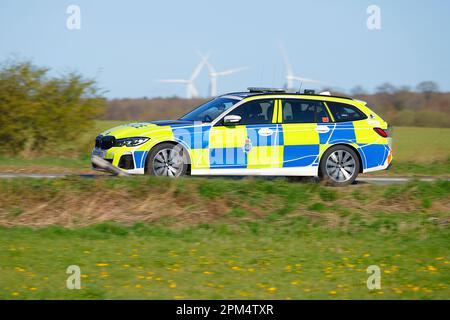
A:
(386, 166)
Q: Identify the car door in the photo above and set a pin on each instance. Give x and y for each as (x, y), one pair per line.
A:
(253, 143)
(306, 125)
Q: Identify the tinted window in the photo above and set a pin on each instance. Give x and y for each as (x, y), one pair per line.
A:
(304, 111)
(345, 112)
(255, 112)
(210, 110)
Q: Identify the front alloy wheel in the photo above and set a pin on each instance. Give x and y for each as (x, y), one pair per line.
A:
(167, 160)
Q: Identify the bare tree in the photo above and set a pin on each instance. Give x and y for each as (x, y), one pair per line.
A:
(386, 88)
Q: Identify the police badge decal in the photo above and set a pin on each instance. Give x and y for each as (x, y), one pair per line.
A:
(247, 145)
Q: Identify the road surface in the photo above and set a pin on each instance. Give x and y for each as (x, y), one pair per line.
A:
(364, 179)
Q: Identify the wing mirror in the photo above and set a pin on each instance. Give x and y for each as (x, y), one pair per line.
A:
(231, 120)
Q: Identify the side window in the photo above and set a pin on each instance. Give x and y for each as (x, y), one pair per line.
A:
(304, 111)
(344, 112)
(255, 112)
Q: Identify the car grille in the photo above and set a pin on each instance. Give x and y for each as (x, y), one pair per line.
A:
(105, 142)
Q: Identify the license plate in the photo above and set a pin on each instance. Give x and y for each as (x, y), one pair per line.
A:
(98, 152)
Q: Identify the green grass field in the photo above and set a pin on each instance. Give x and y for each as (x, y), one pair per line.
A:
(417, 151)
(222, 239)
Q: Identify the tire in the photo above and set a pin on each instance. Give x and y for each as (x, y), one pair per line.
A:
(167, 159)
(339, 166)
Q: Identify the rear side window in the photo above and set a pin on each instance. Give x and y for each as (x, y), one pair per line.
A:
(344, 112)
(304, 111)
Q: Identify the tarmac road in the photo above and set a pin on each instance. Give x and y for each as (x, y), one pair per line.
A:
(372, 180)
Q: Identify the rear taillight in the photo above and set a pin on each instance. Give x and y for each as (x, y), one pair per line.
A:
(381, 132)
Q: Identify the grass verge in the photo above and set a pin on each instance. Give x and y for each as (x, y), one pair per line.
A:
(222, 239)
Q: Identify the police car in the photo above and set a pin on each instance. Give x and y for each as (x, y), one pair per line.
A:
(264, 132)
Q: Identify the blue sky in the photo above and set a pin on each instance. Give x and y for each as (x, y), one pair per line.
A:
(127, 45)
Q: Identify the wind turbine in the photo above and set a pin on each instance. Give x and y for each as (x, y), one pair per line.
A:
(213, 74)
(191, 90)
(290, 77)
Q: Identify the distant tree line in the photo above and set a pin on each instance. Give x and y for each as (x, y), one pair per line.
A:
(39, 111)
(400, 106)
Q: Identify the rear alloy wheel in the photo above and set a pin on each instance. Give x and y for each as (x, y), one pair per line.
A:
(339, 166)
(167, 160)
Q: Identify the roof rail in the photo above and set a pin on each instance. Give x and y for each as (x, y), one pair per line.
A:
(262, 89)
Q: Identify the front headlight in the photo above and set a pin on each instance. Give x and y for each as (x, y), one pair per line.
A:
(131, 142)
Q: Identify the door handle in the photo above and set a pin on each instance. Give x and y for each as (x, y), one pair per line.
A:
(322, 129)
(265, 132)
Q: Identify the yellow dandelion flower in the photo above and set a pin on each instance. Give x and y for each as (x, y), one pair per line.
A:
(101, 264)
(431, 268)
(19, 269)
(84, 276)
(307, 290)
(439, 258)
(295, 282)
(251, 270)
(138, 286)
(235, 268)
(178, 297)
(33, 289)
(332, 292)
(15, 294)
(126, 265)
(172, 285)
(207, 273)
(271, 290)
(366, 255)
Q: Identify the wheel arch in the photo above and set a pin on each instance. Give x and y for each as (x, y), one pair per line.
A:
(358, 154)
(172, 142)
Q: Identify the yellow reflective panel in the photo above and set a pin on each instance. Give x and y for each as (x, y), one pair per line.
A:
(300, 134)
(265, 157)
(365, 134)
(161, 134)
(227, 136)
(275, 111)
(280, 112)
(199, 158)
(323, 148)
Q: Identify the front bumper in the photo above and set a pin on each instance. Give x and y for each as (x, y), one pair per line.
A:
(132, 162)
